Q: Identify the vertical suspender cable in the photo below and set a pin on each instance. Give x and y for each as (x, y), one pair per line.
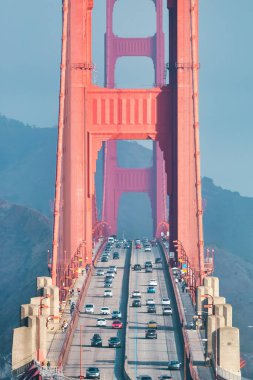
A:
(58, 182)
(195, 68)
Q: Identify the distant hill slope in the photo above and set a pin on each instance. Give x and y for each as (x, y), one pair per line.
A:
(25, 236)
(228, 220)
(27, 164)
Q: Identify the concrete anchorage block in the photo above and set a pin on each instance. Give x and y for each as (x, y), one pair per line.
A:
(53, 292)
(229, 349)
(43, 281)
(211, 327)
(212, 282)
(214, 322)
(22, 352)
(219, 300)
(228, 314)
(24, 311)
(201, 301)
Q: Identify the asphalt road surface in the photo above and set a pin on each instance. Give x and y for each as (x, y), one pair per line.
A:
(143, 356)
(151, 356)
(110, 361)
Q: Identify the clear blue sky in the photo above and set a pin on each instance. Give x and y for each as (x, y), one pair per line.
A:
(29, 73)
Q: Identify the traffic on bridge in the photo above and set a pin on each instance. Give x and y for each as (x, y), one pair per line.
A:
(127, 316)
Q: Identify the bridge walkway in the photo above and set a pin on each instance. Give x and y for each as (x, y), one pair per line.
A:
(56, 337)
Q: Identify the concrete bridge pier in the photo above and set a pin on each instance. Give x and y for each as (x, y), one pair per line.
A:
(223, 344)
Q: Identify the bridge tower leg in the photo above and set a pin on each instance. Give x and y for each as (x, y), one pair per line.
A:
(184, 167)
(116, 47)
(90, 114)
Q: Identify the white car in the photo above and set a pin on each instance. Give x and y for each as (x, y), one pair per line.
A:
(152, 283)
(113, 268)
(150, 301)
(165, 301)
(136, 294)
(100, 272)
(105, 311)
(167, 310)
(89, 308)
(147, 249)
(110, 273)
(108, 293)
(101, 322)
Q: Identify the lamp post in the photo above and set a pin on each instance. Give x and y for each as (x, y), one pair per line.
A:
(41, 306)
(215, 335)
(81, 376)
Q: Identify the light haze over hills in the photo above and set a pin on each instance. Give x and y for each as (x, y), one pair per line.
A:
(30, 37)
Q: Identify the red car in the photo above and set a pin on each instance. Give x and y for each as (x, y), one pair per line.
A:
(117, 324)
(138, 246)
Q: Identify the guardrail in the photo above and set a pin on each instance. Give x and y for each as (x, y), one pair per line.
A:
(74, 320)
(180, 308)
(126, 376)
(21, 370)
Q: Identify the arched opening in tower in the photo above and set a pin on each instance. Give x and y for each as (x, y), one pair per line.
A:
(129, 14)
(135, 216)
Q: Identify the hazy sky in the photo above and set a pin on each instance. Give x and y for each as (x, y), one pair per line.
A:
(30, 37)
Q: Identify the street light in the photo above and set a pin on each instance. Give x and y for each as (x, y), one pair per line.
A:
(81, 376)
(216, 343)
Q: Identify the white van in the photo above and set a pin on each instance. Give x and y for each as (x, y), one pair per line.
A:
(89, 308)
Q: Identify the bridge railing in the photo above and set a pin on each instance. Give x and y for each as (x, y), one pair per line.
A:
(180, 308)
(74, 320)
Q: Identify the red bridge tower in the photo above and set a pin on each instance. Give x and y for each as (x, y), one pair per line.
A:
(90, 115)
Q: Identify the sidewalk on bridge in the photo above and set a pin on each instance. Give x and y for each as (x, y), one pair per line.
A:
(56, 338)
(194, 337)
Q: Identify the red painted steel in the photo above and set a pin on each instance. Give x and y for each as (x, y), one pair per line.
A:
(91, 115)
(152, 47)
(119, 180)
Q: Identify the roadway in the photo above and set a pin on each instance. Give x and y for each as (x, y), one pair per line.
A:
(110, 361)
(151, 356)
(144, 356)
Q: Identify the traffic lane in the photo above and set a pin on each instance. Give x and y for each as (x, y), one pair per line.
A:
(151, 356)
(104, 357)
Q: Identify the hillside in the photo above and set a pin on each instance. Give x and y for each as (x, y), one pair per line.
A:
(228, 220)
(25, 237)
(27, 164)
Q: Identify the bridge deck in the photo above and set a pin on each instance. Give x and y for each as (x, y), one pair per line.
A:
(107, 359)
(146, 356)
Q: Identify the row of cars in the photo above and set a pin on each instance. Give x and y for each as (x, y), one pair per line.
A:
(150, 302)
(108, 274)
(152, 330)
(148, 265)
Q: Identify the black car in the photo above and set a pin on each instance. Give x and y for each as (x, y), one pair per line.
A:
(114, 342)
(136, 303)
(104, 259)
(151, 309)
(92, 373)
(151, 334)
(96, 341)
(158, 260)
(115, 256)
(137, 267)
